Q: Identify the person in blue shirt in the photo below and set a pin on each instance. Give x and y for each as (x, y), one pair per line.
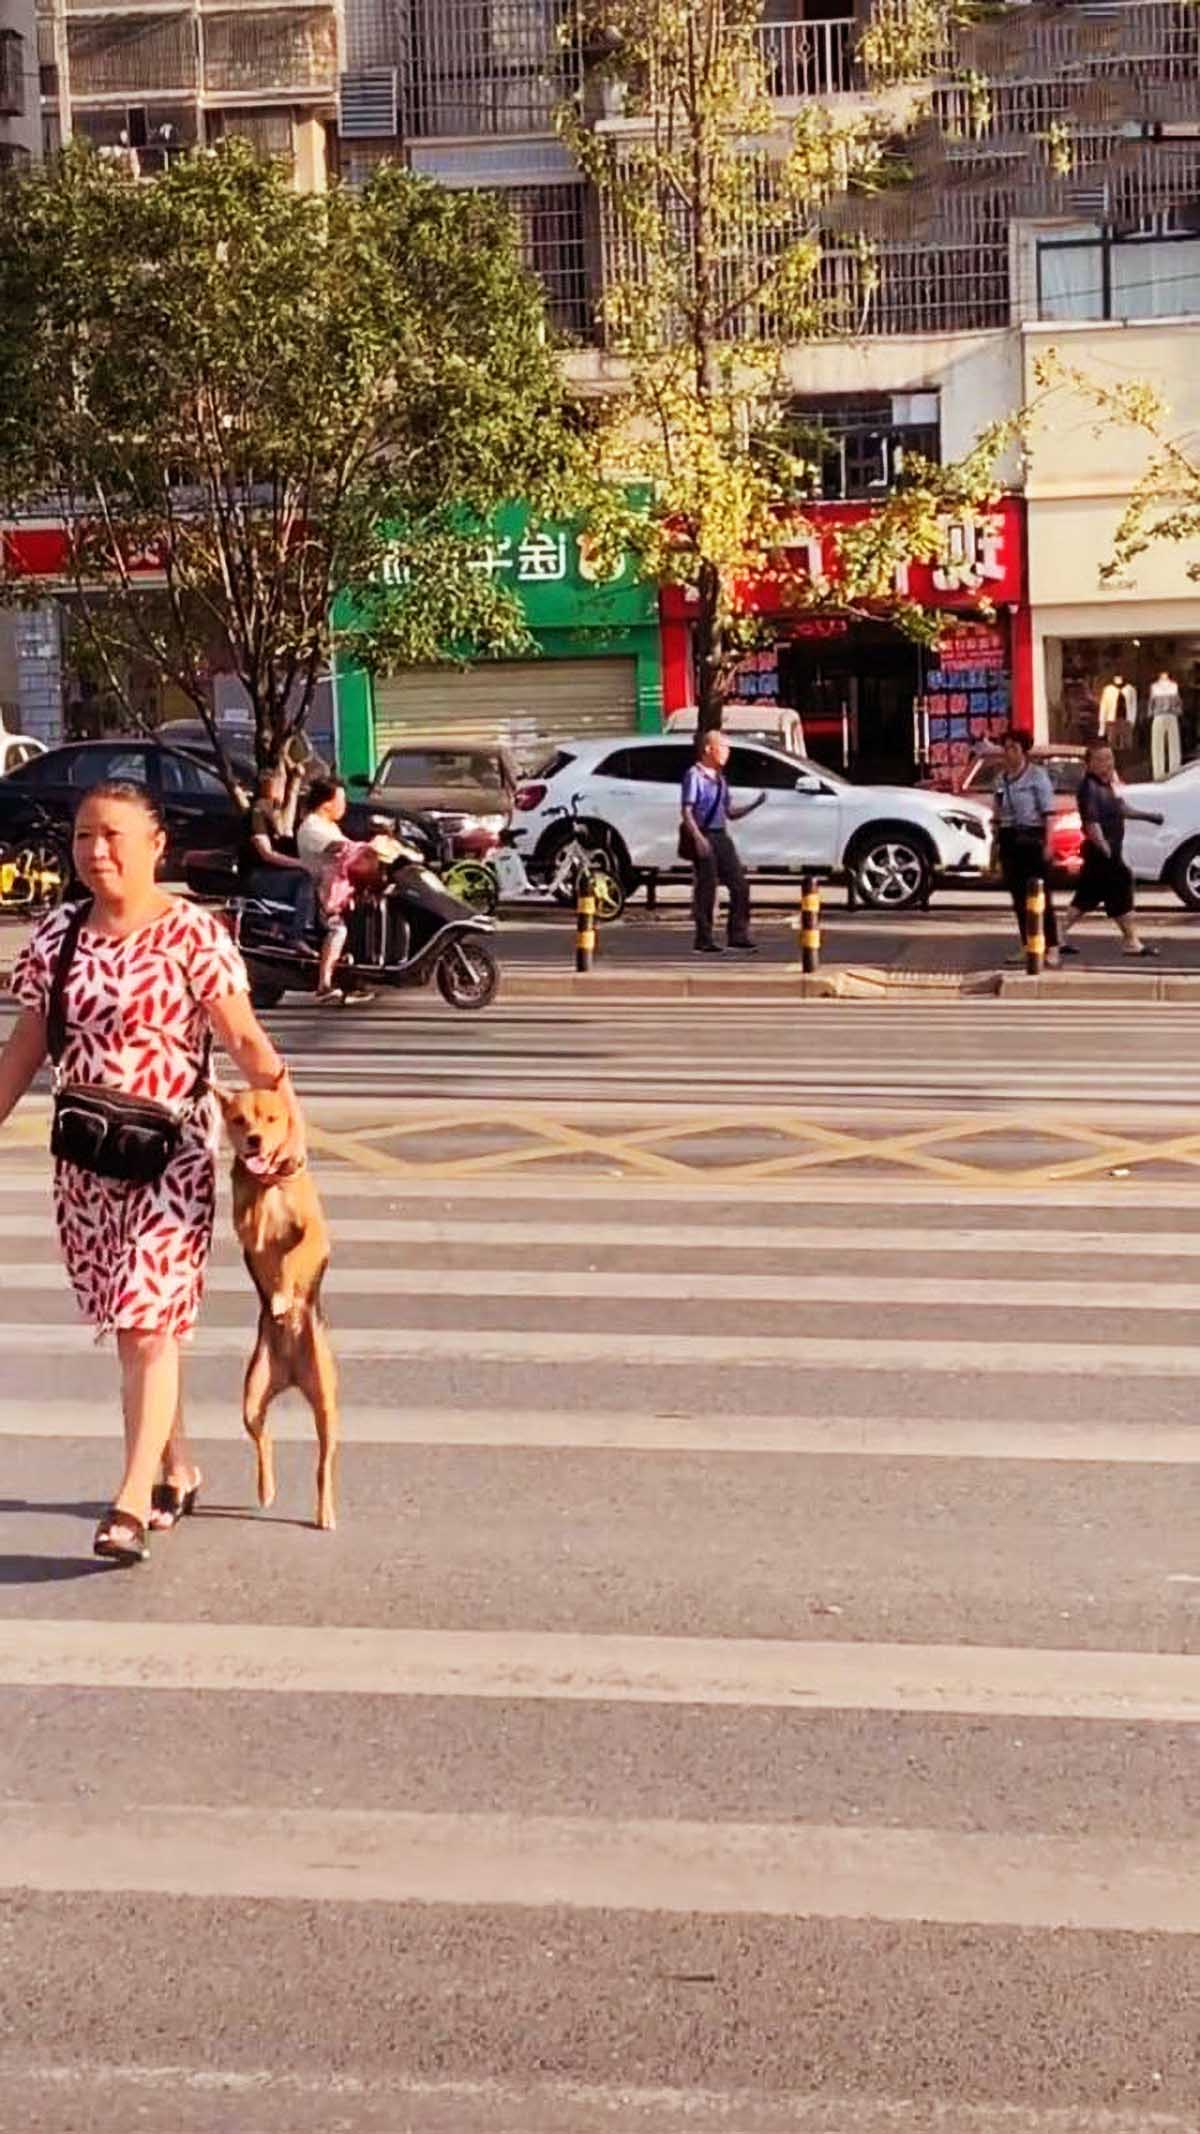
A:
(704, 839)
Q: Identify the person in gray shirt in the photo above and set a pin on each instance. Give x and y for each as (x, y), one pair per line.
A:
(1024, 803)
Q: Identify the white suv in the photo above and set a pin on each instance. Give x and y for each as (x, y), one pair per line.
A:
(890, 841)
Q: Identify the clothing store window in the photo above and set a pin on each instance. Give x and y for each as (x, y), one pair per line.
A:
(1120, 686)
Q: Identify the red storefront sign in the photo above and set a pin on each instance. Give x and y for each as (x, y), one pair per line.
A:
(32, 551)
(981, 559)
(980, 563)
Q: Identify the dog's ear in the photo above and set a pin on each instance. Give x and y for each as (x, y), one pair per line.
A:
(225, 1098)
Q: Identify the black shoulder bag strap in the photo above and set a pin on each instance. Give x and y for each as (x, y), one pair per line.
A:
(56, 1010)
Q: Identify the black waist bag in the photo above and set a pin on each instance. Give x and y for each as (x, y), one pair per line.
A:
(104, 1131)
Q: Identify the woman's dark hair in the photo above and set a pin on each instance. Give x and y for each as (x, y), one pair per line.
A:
(126, 789)
(1023, 740)
(321, 790)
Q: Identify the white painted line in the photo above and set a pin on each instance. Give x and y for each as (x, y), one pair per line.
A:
(734, 1350)
(858, 1437)
(385, 2104)
(800, 1290)
(771, 1870)
(1084, 1246)
(1134, 1688)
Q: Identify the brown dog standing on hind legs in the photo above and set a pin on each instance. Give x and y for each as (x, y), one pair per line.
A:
(281, 1229)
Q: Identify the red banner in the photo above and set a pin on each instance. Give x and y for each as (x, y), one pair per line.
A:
(981, 559)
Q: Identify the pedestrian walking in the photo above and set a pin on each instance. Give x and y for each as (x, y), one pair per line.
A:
(1105, 882)
(706, 812)
(1024, 806)
(125, 989)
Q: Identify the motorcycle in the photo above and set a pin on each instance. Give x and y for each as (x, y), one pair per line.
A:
(405, 930)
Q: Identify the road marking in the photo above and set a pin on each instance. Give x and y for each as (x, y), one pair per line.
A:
(1134, 1688)
(735, 1350)
(859, 1437)
(771, 1870)
(387, 2103)
(800, 1290)
(1086, 1247)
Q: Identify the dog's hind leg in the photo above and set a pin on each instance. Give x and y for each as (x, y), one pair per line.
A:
(264, 1380)
(316, 1374)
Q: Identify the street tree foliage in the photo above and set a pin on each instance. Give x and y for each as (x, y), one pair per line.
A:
(1164, 505)
(714, 211)
(238, 402)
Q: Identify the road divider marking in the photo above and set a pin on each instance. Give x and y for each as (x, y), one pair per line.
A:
(1133, 1688)
(764, 1870)
(859, 1437)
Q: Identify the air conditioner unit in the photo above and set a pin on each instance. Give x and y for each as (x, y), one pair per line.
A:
(367, 105)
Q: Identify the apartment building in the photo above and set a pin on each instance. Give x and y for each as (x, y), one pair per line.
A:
(20, 127)
(153, 78)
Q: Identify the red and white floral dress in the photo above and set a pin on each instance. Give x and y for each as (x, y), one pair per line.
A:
(136, 1255)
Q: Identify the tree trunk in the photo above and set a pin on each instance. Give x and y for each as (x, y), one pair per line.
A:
(708, 650)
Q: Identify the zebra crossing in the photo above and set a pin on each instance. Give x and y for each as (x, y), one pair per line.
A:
(754, 1684)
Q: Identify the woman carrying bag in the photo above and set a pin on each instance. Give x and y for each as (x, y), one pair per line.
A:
(125, 992)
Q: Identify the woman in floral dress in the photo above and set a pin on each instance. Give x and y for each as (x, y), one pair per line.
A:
(151, 976)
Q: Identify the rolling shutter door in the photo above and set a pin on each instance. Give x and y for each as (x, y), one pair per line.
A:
(527, 705)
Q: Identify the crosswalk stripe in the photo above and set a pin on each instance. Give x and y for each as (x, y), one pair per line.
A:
(886, 1437)
(799, 1289)
(550, 2106)
(734, 1350)
(1086, 1248)
(766, 1870)
(569, 1666)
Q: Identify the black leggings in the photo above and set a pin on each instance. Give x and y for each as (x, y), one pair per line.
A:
(1023, 860)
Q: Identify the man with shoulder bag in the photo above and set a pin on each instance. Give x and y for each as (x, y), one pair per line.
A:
(704, 841)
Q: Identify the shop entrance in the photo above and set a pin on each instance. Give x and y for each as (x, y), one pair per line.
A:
(856, 690)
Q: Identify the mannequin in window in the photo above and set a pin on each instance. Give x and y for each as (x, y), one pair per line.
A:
(1118, 711)
(1166, 737)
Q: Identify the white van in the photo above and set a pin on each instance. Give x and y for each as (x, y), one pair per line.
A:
(776, 724)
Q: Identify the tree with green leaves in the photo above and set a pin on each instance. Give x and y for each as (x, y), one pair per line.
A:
(715, 211)
(236, 402)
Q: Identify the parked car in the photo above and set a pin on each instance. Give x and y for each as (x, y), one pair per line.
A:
(891, 842)
(1170, 855)
(43, 793)
(776, 724)
(466, 790)
(1064, 764)
(16, 749)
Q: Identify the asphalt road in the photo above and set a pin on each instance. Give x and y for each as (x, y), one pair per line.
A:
(754, 1684)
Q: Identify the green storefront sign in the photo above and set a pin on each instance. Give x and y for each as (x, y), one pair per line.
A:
(572, 613)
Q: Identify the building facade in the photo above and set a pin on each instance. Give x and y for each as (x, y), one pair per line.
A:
(149, 79)
(936, 292)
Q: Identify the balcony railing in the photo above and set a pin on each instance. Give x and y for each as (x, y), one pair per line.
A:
(809, 59)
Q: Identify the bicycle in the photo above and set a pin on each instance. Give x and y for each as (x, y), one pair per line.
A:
(557, 880)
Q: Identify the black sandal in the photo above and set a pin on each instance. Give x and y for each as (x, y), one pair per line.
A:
(120, 1537)
(175, 1504)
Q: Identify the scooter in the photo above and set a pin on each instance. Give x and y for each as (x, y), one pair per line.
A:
(406, 931)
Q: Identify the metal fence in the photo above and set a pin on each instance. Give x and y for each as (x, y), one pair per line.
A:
(809, 59)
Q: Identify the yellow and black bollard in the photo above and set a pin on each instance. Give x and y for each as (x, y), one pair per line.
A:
(1035, 927)
(585, 922)
(810, 926)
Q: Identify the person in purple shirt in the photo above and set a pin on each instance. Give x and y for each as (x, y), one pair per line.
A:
(704, 839)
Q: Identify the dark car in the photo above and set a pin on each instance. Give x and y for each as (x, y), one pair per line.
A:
(466, 789)
(41, 797)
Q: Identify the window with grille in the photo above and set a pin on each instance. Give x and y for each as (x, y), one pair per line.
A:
(12, 74)
(485, 66)
(1149, 273)
(552, 220)
(858, 444)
